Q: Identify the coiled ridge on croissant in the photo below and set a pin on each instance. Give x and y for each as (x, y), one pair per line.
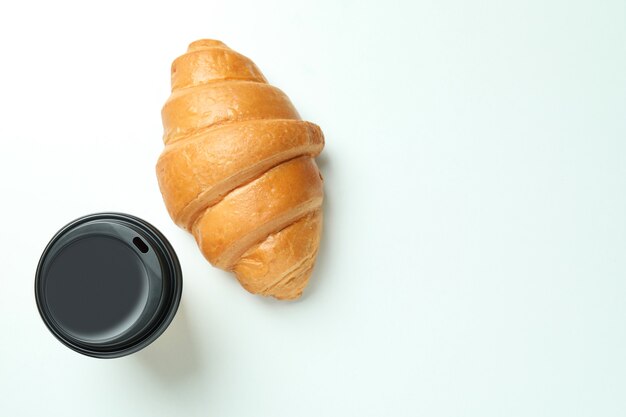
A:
(238, 170)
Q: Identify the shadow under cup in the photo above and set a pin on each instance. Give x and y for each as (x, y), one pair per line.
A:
(108, 284)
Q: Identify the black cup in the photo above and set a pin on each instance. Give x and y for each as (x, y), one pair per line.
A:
(108, 284)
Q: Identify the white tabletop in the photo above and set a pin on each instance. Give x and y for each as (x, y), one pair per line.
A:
(473, 261)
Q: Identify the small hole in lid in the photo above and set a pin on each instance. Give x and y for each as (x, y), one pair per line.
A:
(141, 245)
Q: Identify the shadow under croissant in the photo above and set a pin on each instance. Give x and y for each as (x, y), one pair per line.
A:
(174, 355)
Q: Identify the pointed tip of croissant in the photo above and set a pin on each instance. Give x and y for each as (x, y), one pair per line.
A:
(205, 44)
(292, 287)
(281, 265)
(288, 288)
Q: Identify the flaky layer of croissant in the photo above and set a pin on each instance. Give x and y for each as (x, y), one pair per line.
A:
(238, 171)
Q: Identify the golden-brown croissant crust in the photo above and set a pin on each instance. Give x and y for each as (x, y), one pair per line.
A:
(238, 170)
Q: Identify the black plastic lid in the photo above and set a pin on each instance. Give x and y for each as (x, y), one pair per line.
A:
(108, 284)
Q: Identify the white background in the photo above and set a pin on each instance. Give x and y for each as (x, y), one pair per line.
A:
(474, 255)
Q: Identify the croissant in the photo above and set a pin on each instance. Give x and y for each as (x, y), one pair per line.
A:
(238, 170)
